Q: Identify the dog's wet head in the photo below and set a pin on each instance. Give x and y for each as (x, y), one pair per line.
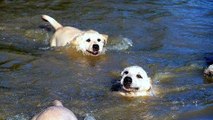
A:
(134, 79)
(91, 43)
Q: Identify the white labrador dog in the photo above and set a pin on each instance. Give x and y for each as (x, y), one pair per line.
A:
(135, 82)
(56, 112)
(90, 42)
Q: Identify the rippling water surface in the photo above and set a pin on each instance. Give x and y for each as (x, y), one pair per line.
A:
(170, 39)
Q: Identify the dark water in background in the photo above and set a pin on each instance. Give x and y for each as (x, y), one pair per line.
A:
(171, 40)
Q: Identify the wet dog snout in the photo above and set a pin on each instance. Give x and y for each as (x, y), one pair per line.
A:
(95, 47)
(127, 81)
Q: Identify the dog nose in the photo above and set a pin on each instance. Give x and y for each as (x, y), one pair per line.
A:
(95, 47)
(127, 81)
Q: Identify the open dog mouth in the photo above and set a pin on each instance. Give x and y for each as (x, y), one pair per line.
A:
(130, 89)
(133, 89)
(93, 52)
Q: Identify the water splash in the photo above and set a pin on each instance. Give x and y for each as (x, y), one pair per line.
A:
(89, 117)
(18, 117)
(120, 43)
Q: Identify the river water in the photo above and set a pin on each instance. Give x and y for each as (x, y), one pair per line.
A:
(171, 39)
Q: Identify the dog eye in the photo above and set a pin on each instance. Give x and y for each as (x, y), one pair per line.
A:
(139, 76)
(99, 40)
(88, 40)
(126, 72)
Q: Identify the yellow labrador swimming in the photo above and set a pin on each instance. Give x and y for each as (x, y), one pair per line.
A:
(56, 112)
(90, 42)
(135, 82)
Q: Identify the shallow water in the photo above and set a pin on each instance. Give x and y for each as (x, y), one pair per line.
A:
(169, 39)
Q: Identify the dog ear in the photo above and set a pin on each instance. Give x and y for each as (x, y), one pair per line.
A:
(57, 103)
(122, 72)
(76, 40)
(105, 38)
(91, 31)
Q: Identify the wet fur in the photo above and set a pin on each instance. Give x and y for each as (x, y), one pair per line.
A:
(143, 84)
(76, 38)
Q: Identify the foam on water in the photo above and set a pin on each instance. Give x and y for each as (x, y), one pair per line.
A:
(120, 43)
(18, 117)
(89, 117)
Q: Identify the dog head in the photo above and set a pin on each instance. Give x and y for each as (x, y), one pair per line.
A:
(56, 112)
(91, 42)
(135, 79)
(209, 71)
